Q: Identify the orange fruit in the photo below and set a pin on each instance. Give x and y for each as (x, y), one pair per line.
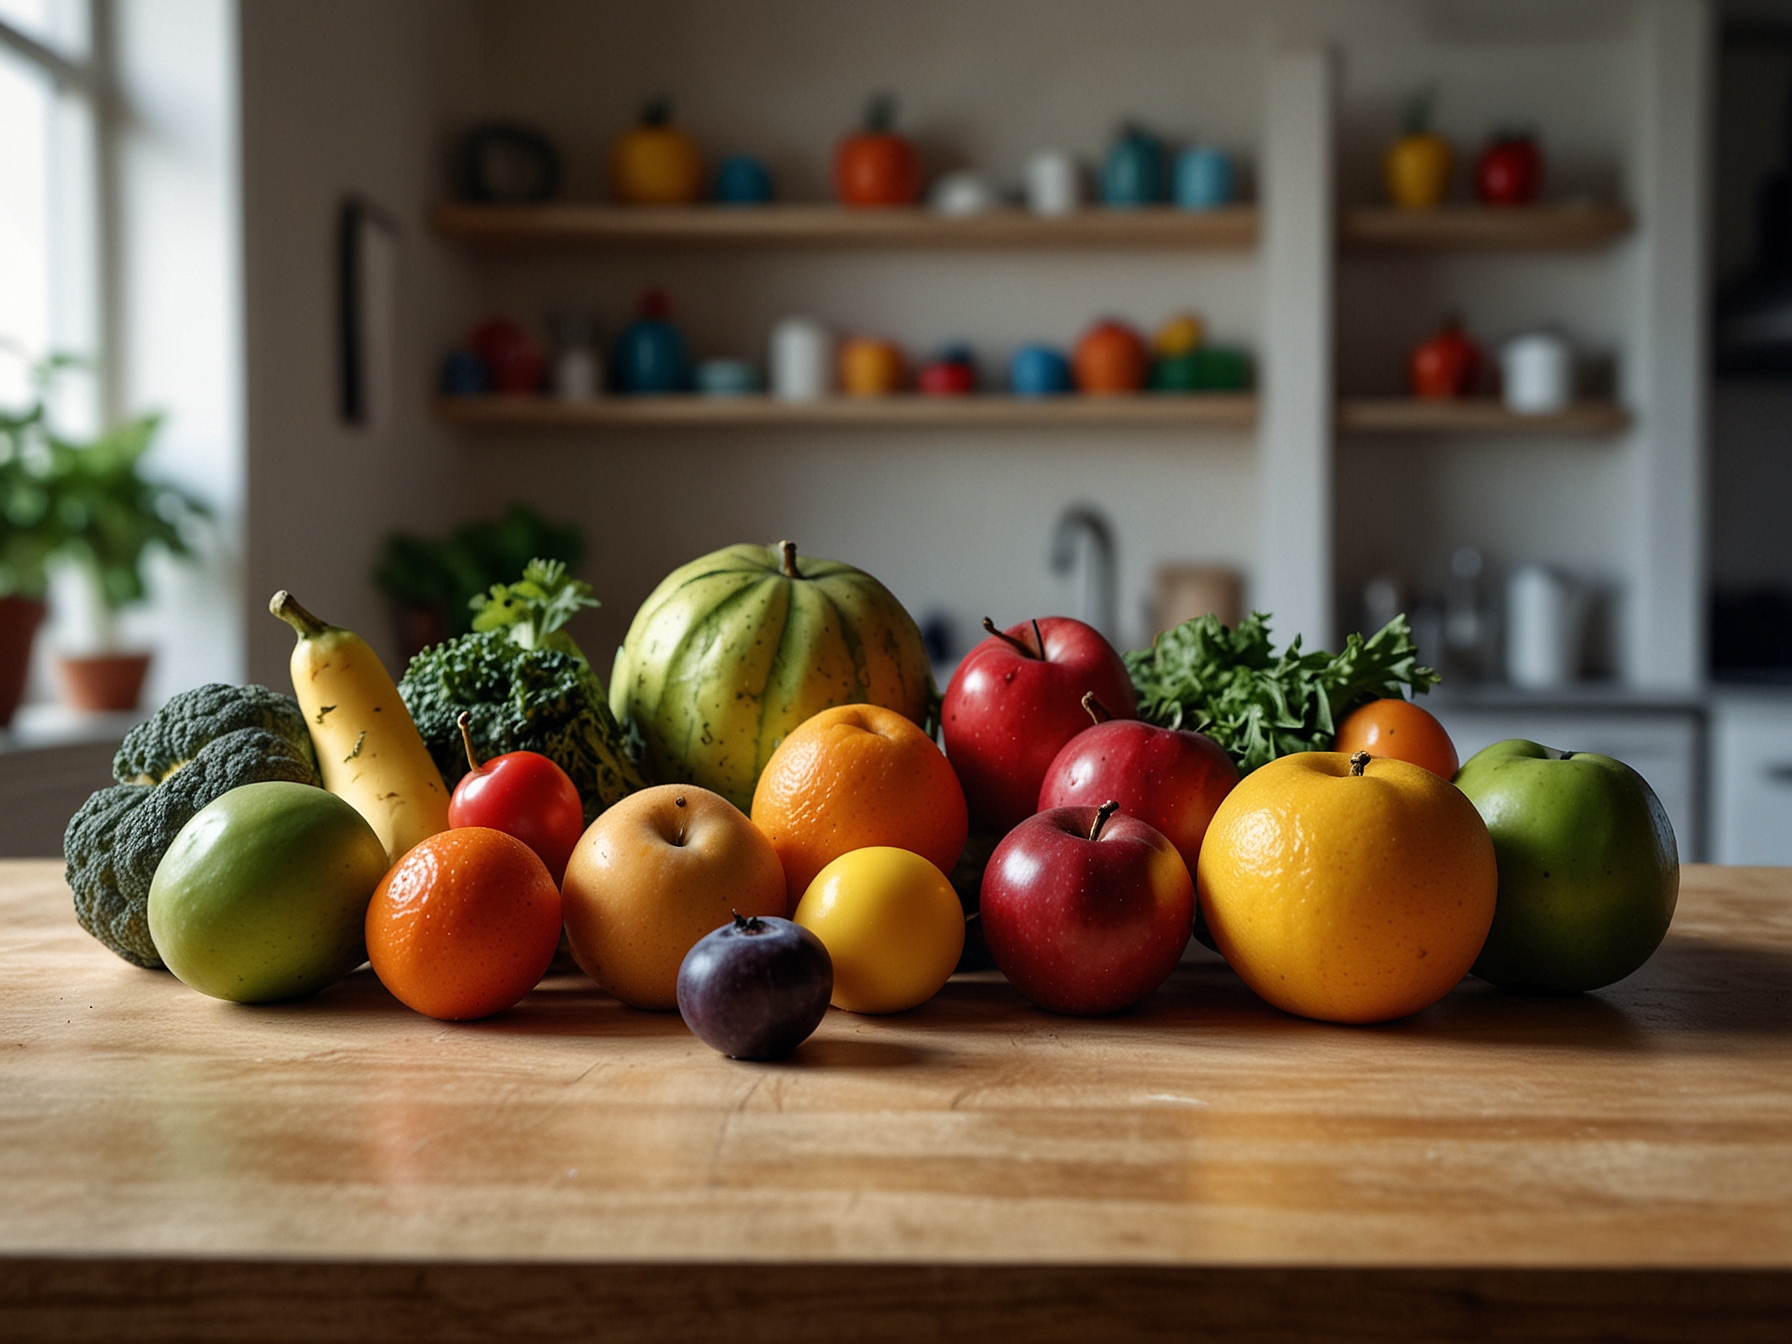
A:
(1400, 731)
(1345, 896)
(855, 776)
(464, 924)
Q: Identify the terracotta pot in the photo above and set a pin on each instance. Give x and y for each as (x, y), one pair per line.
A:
(19, 619)
(105, 683)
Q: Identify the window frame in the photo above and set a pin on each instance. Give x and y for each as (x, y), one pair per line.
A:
(93, 79)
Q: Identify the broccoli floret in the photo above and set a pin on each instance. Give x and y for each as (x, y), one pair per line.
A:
(116, 839)
(157, 748)
(519, 699)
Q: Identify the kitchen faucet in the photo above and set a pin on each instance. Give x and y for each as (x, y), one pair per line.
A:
(1100, 596)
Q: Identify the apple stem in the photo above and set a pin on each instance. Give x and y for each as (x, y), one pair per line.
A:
(1102, 814)
(1097, 710)
(1020, 644)
(787, 559)
(466, 737)
(1359, 763)
(679, 802)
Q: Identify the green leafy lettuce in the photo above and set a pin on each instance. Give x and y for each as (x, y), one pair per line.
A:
(1231, 685)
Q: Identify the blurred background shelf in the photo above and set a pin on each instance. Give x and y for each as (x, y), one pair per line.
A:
(605, 226)
(1470, 228)
(1478, 415)
(1210, 410)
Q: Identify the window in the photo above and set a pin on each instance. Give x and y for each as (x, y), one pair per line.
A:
(52, 228)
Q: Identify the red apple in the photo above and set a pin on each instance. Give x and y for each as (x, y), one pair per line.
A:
(523, 794)
(1086, 910)
(1014, 702)
(1169, 778)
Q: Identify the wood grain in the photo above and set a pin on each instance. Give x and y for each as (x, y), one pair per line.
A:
(1479, 228)
(1474, 415)
(1496, 1164)
(1213, 410)
(559, 226)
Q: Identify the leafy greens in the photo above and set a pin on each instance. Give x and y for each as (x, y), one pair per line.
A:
(1231, 685)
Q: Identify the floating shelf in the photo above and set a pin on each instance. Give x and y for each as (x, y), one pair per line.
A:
(606, 226)
(1470, 228)
(1478, 415)
(1212, 410)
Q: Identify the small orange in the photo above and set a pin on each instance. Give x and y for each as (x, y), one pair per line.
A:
(855, 776)
(1347, 888)
(464, 924)
(1400, 731)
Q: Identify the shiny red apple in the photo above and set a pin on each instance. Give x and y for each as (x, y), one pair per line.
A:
(1014, 702)
(523, 794)
(1086, 910)
(1170, 778)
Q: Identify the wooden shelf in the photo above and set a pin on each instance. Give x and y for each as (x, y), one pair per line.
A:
(607, 226)
(1478, 415)
(1212, 410)
(1471, 228)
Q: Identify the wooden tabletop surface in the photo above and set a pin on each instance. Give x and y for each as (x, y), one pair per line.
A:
(1645, 1127)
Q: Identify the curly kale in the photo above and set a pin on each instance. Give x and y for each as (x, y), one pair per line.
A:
(118, 836)
(519, 699)
(1231, 685)
(157, 748)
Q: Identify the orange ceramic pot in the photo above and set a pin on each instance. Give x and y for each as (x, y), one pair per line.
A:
(108, 683)
(1110, 359)
(870, 367)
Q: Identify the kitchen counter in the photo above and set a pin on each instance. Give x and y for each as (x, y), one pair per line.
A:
(1497, 1166)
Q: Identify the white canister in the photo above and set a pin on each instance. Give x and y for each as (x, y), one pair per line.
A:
(802, 360)
(1545, 614)
(1054, 187)
(1537, 374)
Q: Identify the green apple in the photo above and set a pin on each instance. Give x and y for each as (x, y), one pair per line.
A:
(263, 895)
(1588, 869)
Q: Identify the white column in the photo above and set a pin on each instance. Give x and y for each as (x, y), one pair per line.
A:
(1293, 580)
(1668, 379)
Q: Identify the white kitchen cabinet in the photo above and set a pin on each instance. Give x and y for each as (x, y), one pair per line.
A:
(1664, 743)
(1751, 778)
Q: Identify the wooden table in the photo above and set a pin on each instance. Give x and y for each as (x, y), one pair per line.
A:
(1616, 1165)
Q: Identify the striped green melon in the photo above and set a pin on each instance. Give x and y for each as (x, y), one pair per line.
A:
(734, 650)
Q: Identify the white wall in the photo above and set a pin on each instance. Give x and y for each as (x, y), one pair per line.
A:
(181, 311)
(342, 97)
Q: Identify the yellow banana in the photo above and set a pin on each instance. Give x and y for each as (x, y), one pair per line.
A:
(369, 750)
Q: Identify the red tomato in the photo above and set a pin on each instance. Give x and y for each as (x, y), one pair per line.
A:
(1445, 366)
(1111, 357)
(1400, 731)
(1510, 171)
(525, 795)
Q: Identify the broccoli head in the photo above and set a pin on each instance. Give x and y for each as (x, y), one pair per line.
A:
(516, 699)
(116, 839)
(155, 749)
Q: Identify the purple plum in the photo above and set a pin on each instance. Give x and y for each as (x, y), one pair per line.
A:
(756, 988)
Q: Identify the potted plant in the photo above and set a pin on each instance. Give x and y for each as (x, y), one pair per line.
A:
(28, 538)
(431, 581)
(89, 504)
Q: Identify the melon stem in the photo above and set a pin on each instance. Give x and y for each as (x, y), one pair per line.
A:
(787, 559)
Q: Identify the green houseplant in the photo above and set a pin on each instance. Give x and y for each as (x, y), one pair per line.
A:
(89, 504)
